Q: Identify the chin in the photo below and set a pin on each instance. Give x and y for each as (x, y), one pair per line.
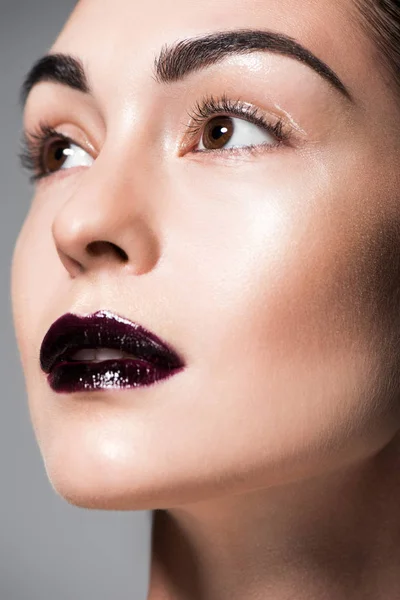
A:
(98, 487)
(107, 476)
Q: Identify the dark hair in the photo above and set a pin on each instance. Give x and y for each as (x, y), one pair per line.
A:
(382, 19)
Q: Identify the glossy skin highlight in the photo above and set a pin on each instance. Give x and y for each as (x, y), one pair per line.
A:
(275, 274)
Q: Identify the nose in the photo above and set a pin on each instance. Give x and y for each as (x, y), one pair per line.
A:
(106, 223)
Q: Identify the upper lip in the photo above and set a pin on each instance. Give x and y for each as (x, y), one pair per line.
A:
(103, 329)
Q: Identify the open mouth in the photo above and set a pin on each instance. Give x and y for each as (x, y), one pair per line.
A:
(102, 351)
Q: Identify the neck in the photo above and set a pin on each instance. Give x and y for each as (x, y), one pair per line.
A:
(333, 537)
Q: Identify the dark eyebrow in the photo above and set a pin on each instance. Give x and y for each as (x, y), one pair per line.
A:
(176, 62)
(179, 60)
(59, 68)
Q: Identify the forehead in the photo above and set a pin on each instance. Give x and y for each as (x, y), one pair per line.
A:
(118, 40)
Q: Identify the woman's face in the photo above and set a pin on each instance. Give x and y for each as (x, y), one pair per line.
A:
(270, 263)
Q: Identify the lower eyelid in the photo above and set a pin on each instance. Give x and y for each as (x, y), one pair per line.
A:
(60, 174)
(235, 153)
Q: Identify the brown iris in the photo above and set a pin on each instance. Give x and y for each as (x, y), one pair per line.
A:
(217, 133)
(55, 155)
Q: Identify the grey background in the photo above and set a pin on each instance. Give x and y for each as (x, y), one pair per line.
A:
(49, 550)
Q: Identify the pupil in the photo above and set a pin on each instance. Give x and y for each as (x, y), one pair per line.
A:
(219, 131)
(59, 154)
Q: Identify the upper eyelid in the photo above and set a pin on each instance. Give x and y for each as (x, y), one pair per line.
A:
(252, 109)
(210, 105)
(65, 121)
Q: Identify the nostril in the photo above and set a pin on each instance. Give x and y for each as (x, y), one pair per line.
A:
(98, 248)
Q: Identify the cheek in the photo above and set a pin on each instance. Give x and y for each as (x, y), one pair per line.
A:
(294, 266)
(36, 280)
(23, 271)
(287, 310)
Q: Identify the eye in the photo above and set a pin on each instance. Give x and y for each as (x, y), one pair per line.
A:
(222, 124)
(63, 154)
(233, 132)
(46, 151)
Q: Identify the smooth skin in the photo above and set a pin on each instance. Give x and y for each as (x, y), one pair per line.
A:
(275, 275)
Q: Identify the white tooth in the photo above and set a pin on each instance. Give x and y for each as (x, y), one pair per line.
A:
(85, 354)
(108, 354)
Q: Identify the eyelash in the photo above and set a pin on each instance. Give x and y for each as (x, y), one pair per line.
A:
(33, 145)
(34, 142)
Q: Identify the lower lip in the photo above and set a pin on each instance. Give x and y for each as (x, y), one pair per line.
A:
(76, 376)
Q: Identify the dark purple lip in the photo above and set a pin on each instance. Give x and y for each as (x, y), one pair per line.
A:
(152, 359)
